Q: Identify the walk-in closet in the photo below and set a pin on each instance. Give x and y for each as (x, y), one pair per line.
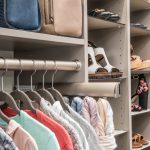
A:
(74, 75)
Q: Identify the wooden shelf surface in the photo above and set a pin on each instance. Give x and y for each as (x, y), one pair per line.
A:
(96, 23)
(139, 32)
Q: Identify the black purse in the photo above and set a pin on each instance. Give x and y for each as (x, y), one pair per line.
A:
(20, 14)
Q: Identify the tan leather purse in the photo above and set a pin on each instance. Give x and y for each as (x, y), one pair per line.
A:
(62, 17)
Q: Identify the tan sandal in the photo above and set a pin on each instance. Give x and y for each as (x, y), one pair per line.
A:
(136, 142)
(138, 64)
(142, 140)
(135, 62)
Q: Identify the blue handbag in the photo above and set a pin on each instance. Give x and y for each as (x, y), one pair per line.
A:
(20, 14)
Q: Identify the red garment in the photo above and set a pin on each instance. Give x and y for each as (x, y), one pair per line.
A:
(60, 132)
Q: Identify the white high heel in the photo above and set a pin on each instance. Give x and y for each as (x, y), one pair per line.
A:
(100, 54)
(94, 68)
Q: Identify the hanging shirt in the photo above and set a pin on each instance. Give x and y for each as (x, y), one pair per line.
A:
(107, 126)
(59, 110)
(45, 106)
(6, 142)
(45, 138)
(90, 112)
(60, 132)
(89, 131)
(76, 104)
(22, 139)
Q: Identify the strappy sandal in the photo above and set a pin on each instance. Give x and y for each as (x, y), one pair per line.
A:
(136, 142)
(99, 55)
(135, 108)
(95, 69)
(142, 140)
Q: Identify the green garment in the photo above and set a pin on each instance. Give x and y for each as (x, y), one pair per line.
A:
(45, 138)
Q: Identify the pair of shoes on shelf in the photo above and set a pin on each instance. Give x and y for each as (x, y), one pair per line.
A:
(95, 56)
(137, 63)
(138, 140)
(102, 14)
(138, 25)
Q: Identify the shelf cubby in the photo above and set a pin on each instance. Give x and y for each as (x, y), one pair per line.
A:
(141, 125)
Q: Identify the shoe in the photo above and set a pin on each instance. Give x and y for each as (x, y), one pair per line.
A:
(100, 56)
(138, 64)
(136, 141)
(135, 107)
(143, 141)
(102, 14)
(93, 67)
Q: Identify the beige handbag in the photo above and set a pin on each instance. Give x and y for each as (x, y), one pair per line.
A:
(62, 17)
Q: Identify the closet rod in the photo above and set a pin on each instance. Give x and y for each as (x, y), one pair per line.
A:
(101, 89)
(22, 64)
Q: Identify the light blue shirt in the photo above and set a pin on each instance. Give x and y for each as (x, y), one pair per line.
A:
(45, 138)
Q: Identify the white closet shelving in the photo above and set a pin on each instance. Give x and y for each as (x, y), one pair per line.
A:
(140, 39)
(95, 23)
(141, 112)
(139, 32)
(113, 37)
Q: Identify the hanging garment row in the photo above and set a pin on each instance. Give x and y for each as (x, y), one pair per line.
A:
(42, 120)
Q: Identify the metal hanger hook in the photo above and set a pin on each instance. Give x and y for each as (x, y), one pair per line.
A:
(31, 77)
(18, 76)
(53, 75)
(3, 74)
(43, 78)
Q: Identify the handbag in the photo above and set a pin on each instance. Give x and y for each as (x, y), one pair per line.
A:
(20, 14)
(61, 17)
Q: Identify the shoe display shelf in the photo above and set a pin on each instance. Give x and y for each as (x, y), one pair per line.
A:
(140, 39)
(114, 38)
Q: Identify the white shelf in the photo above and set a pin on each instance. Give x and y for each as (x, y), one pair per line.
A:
(145, 71)
(96, 23)
(20, 36)
(140, 112)
(137, 5)
(119, 132)
(139, 32)
(108, 80)
(143, 147)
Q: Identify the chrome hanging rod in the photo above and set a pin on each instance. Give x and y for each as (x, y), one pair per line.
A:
(17, 64)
